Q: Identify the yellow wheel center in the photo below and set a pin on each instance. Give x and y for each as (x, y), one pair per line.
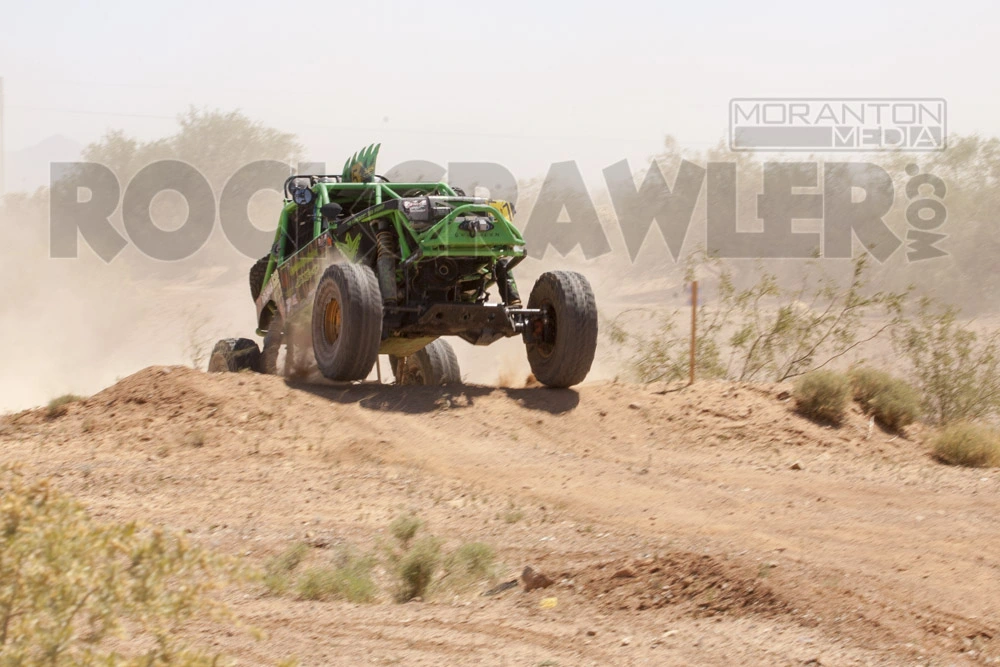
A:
(331, 321)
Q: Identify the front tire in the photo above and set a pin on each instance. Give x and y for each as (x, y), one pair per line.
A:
(436, 364)
(563, 355)
(347, 322)
(234, 355)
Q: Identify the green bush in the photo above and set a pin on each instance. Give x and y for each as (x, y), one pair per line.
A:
(278, 571)
(404, 528)
(70, 586)
(416, 568)
(472, 560)
(968, 444)
(893, 402)
(867, 383)
(355, 584)
(317, 583)
(349, 578)
(897, 407)
(822, 396)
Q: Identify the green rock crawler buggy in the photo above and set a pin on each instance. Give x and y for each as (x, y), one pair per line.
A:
(361, 267)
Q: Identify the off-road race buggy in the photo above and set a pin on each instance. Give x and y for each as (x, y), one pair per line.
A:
(361, 267)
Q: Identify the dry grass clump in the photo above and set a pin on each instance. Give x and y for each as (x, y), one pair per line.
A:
(894, 403)
(822, 396)
(968, 444)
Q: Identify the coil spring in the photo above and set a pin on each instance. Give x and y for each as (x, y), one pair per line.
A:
(385, 240)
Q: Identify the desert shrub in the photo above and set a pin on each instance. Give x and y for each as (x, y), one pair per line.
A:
(867, 383)
(354, 579)
(664, 355)
(349, 578)
(897, 407)
(968, 444)
(822, 396)
(57, 406)
(415, 568)
(70, 586)
(764, 331)
(418, 567)
(956, 369)
(316, 583)
(404, 528)
(278, 571)
(892, 401)
(472, 560)
(513, 515)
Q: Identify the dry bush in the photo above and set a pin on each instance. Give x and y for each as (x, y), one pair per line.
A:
(278, 571)
(470, 562)
(867, 383)
(349, 578)
(764, 331)
(413, 564)
(956, 369)
(57, 407)
(415, 569)
(892, 401)
(822, 396)
(512, 515)
(70, 586)
(664, 355)
(405, 527)
(968, 444)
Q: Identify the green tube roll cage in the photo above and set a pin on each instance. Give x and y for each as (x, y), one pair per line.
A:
(441, 238)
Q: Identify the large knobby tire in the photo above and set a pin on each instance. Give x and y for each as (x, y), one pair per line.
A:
(257, 273)
(234, 355)
(347, 322)
(564, 357)
(436, 364)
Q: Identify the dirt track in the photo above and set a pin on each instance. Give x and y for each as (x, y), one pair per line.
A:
(709, 525)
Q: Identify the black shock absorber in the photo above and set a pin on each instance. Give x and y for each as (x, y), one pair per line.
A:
(506, 285)
(385, 241)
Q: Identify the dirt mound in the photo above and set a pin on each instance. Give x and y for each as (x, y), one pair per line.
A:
(705, 585)
(700, 525)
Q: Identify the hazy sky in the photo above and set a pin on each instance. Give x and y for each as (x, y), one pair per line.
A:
(521, 83)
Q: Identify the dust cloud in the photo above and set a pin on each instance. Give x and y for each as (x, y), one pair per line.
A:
(76, 325)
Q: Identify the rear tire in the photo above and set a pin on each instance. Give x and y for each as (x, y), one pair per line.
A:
(564, 358)
(257, 273)
(436, 364)
(234, 355)
(347, 322)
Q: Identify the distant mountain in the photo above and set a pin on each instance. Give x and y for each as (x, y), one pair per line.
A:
(28, 168)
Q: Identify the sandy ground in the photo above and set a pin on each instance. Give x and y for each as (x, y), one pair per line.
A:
(708, 525)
